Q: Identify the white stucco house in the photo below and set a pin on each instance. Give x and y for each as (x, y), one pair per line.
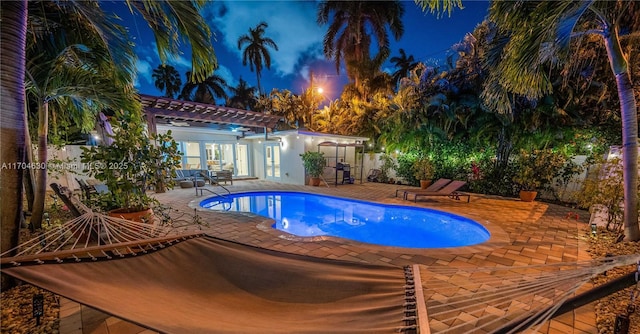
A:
(273, 156)
(214, 138)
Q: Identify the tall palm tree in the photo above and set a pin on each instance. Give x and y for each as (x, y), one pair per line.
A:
(348, 37)
(403, 65)
(169, 21)
(69, 71)
(372, 80)
(167, 79)
(256, 53)
(244, 96)
(539, 37)
(204, 91)
(13, 31)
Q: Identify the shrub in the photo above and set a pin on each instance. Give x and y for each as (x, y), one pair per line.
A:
(388, 164)
(404, 168)
(604, 187)
(423, 169)
(535, 170)
(494, 179)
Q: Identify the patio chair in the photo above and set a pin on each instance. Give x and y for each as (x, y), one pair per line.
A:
(76, 207)
(373, 176)
(87, 191)
(450, 190)
(224, 176)
(434, 187)
(92, 187)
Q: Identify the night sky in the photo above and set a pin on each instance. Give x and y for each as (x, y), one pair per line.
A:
(292, 25)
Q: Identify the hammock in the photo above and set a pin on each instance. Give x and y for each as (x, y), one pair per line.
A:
(188, 282)
(514, 299)
(179, 280)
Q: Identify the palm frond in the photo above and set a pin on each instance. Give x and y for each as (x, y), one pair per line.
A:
(171, 19)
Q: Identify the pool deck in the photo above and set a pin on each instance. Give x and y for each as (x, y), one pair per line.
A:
(521, 234)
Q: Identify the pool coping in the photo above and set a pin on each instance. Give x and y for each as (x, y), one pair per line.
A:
(498, 237)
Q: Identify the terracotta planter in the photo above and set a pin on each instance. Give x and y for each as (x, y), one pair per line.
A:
(528, 196)
(136, 216)
(314, 181)
(424, 184)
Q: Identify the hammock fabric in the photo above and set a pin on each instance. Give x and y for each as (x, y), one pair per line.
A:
(207, 285)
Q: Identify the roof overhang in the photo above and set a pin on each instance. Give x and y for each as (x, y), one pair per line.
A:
(203, 113)
(302, 132)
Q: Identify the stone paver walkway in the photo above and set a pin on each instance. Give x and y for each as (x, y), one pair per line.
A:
(521, 234)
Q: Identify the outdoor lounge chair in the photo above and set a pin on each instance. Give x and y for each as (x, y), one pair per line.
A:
(91, 187)
(450, 190)
(76, 207)
(434, 187)
(374, 175)
(179, 176)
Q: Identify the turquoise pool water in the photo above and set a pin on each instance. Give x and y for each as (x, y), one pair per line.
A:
(311, 215)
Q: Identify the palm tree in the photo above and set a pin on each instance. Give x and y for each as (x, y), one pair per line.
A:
(204, 91)
(403, 65)
(372, 79)
(168, 20)
(348, 37)
(244, 96)
(256, 53)
(167, 79)
(439, 6)
(13, 31)
(70, 72)
(539, 36)
(324, 120)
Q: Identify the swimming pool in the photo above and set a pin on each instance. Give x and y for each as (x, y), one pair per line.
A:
(312, 215)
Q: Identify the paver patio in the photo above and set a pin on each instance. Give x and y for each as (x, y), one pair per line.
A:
(521, 234)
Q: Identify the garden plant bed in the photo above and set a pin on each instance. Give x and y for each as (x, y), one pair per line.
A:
(609, 307)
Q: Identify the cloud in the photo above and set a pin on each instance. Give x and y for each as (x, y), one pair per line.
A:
(148, 60)
(292, 25)
(143, 73)
(226, 74)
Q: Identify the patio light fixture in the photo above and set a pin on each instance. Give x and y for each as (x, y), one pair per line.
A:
(594, 229)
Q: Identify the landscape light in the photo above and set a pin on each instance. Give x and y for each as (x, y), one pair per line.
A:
(594, 229)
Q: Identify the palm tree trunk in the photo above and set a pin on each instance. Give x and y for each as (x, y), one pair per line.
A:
(41, 172)
(629, 115)
(259, 87)
(29, 179)
(13, 31)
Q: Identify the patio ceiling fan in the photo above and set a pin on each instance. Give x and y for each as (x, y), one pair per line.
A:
(176, 123)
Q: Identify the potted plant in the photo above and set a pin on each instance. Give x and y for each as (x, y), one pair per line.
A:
(132, 164)
(314, 164)
(423, 171)
(536, 170)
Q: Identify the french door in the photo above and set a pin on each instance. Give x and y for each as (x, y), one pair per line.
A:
(272, 161)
